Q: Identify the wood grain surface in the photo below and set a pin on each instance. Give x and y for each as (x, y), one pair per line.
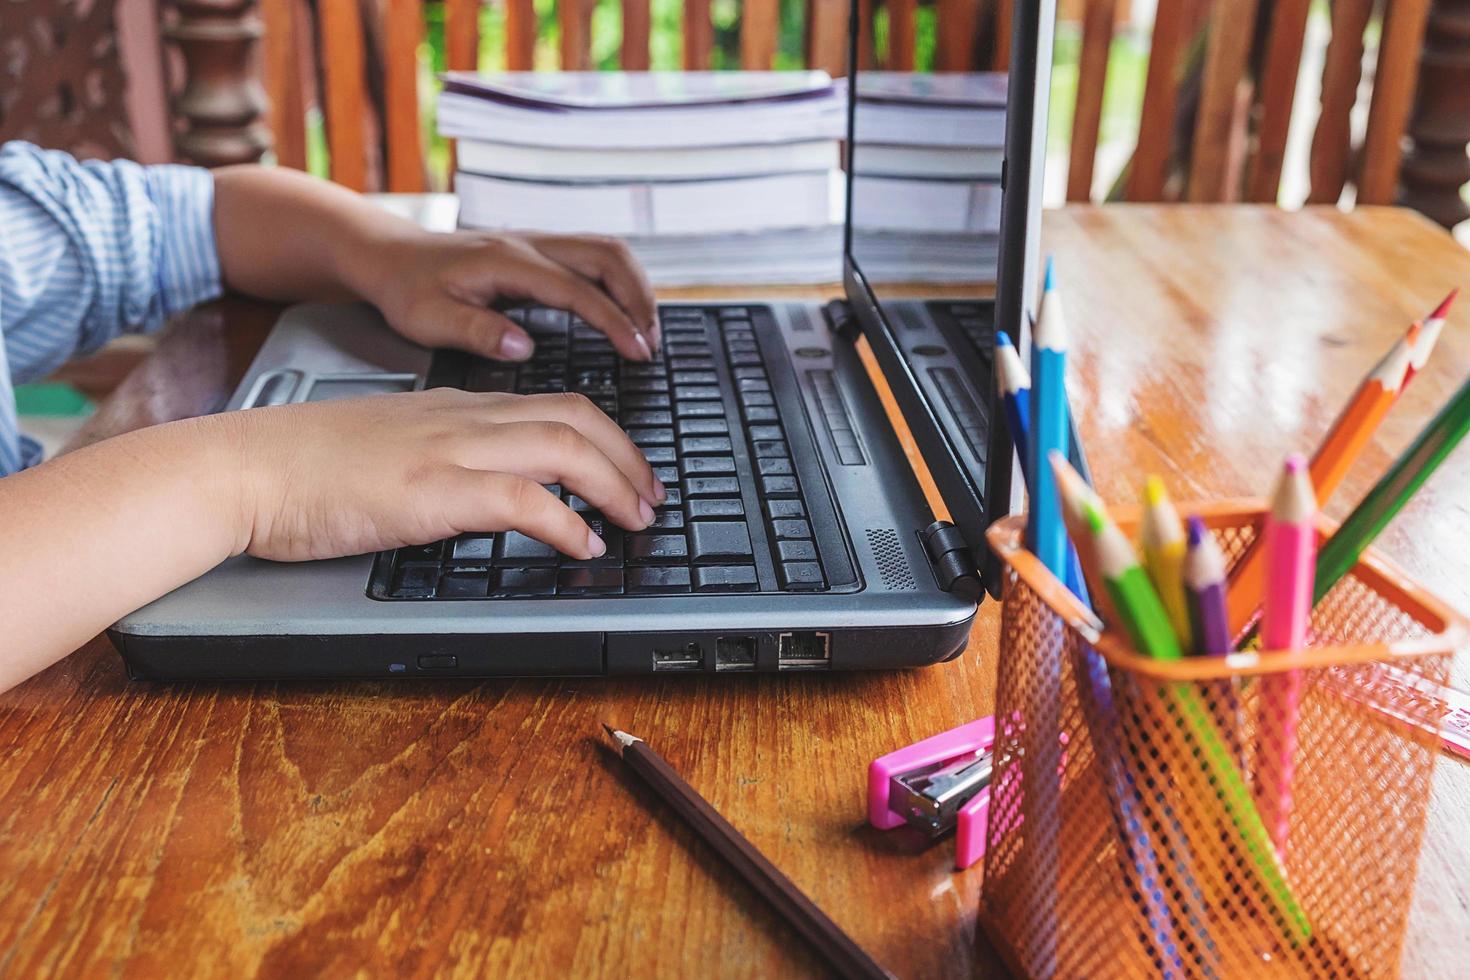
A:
(460, 828)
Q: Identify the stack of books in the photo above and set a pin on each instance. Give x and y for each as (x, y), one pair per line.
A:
(710, 177)
(926, 169)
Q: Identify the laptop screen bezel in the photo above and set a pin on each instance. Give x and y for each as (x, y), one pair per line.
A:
(973, 508)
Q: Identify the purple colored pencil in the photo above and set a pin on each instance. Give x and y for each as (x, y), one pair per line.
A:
(1209, 622)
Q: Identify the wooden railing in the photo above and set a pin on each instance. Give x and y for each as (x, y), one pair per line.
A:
(1213, 122)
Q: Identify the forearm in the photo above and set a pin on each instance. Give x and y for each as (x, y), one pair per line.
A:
(284, 235)
(95, 534)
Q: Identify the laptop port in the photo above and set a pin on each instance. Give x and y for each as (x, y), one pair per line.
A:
(804, 651)
(687, 657)
(735, 653)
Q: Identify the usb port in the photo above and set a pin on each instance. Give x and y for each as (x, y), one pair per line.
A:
(735, 653)
(686, 657)
(804, 651)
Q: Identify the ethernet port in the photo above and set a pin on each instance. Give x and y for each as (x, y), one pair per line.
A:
(689, 656)
(804, 651)
(735, 653)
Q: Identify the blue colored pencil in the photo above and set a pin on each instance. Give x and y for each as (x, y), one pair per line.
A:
(1076, 455)
(1015, 394)
(1045, 535)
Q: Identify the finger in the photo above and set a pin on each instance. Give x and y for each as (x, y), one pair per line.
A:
(474, 328)
(578, 412)
(555, 452)
(522, 271)
(610, 262)
(475, 500)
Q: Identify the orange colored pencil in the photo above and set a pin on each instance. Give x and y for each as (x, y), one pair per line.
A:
(1428, 337)
(1342, 446)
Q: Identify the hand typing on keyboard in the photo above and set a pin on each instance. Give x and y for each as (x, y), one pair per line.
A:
(435, 289)
(343, 478)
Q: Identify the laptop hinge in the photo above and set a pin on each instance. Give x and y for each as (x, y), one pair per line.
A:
(840, 319)
(954, 566)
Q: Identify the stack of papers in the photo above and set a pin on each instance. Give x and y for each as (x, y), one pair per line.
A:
(711, 177)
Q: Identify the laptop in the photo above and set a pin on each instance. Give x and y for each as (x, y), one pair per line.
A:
(796, 537)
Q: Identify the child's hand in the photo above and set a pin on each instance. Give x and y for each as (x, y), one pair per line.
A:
(349, 477)
(435, 289)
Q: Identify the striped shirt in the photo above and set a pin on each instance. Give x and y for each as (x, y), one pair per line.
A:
(89, 251)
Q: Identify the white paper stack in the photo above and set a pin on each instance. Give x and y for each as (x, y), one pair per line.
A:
(711, 177)
(926, 175)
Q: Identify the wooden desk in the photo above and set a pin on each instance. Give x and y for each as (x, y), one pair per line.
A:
(478, 828)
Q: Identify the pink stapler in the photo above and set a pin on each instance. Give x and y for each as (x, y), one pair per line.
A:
(940, 783)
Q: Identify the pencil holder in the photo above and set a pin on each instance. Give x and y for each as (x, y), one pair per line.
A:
(1148, 818)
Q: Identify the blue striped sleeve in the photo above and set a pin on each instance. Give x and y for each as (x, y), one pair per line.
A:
(91, 250)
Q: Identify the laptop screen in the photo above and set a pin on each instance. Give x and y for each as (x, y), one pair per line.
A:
(943, 246)
(928, 149)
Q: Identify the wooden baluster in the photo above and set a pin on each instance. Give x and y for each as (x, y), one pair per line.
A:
(636, 28)
(462, 34)
(222, 100)
(281, 51)
(699, 35)
(343, 76)
(1435, 167)
(1149, 170)
(570, 17)
(903, 34)
(1092, 75)
(827, 36)
(1278, 95)
(402, 37)
(760, 20)
(867, 57)
(1000, 56)
(1213, 174)
(1393, 96)
(959, 24)
(1332, 141)
(521, 28)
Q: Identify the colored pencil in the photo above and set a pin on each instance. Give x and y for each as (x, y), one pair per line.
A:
(1290, 548)
(1074, 494)
(1076, 454)
(839, 949)
(1428, 337)
(1095, 687)
(1161, 535)
(1403, 479)
(1209, 629)
(1045, 535)
(1341, 447)
(1141, 614)
(1015, 394)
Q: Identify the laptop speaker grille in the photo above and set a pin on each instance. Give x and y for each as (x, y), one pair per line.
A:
(893, 565)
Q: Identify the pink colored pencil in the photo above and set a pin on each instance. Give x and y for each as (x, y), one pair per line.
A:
(1291, 554)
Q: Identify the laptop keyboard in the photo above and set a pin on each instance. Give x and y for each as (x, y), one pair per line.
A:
(974, 321)
(704, 414)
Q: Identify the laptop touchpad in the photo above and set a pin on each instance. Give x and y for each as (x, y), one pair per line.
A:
(329, 389)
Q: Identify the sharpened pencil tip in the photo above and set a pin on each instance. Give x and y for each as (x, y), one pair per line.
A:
(609, 729)
(1003, 339)
(1096, 519)
(1295, 463)
(1153, 491)
(1051, 274)
(1196, 530)
(1443, 309)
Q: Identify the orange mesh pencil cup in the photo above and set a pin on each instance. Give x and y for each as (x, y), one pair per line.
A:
(1188, 891)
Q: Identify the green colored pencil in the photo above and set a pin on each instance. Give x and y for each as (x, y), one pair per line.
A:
(1143, 617)
(1408, 473)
